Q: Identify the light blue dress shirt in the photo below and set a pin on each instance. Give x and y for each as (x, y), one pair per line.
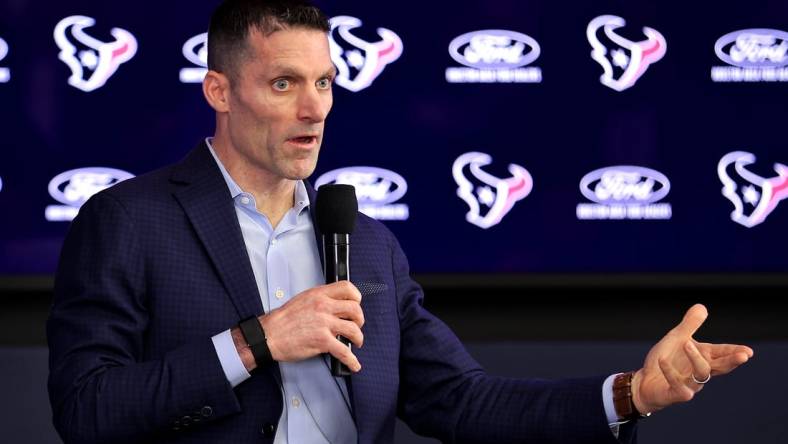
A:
(285, 262)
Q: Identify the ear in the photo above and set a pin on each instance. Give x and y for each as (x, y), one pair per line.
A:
(216, 88)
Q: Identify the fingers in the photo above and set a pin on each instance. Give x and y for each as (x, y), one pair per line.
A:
(342, 302)
(677, 384)
(349, 310)
(717, 350)
(692, 321)
(700, 367)
(343, 353)
(746, 350)
(724, 358)
(342, 290)
(349, 330)
(726, 364)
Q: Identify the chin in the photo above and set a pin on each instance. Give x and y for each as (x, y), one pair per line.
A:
(302, 172)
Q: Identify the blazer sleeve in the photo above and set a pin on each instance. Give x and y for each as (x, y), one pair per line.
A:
(446, 394)
(101, 387)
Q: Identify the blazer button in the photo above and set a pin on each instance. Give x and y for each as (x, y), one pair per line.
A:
(269, 430)
(206, 411)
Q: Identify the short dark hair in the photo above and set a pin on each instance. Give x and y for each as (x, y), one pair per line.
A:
(232, 21)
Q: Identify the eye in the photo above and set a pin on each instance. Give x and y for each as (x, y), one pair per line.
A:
(324, 83)
(281, 84)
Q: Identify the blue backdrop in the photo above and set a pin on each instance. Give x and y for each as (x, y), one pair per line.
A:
(621, 172)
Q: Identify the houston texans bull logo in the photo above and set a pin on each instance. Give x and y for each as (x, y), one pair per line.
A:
(499, 195)
(358, 61)
(753, 197)
(92, 62)
(626, 60)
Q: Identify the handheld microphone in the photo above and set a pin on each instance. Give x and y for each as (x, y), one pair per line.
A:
(335, 214)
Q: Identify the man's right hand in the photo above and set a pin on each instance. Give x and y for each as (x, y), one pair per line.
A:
(308, 324)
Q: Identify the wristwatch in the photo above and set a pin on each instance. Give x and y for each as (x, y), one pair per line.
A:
(254, 335)
(622, 398)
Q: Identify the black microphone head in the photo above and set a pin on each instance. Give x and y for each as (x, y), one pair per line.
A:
(336, 208)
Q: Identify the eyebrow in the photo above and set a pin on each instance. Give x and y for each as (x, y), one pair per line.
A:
(286, 71)
(331, 72)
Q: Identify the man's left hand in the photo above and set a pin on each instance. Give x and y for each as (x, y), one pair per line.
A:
(677, 367)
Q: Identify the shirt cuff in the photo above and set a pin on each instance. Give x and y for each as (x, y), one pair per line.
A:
(607, 400)
(233, 367)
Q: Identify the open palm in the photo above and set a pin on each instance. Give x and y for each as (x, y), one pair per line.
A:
(677, 366)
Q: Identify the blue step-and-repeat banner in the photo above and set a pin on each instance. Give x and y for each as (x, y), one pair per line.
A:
(491, 136)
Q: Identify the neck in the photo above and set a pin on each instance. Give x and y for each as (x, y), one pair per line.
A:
(274, 195)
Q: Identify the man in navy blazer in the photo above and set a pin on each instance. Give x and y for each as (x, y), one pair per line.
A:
(154, 269)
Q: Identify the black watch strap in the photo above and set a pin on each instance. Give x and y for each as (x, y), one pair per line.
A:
(255, 336)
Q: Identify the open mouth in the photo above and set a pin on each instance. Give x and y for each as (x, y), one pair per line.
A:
(304, 140)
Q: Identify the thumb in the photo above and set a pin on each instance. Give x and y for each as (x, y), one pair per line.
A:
(692, 321)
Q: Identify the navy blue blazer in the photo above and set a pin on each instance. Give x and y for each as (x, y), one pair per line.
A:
(156, 265)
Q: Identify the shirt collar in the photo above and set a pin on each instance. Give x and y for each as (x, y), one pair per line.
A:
(301, 200)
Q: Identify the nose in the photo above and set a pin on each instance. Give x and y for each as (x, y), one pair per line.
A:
(314, 105)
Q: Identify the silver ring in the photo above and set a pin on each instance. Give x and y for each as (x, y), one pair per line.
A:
(701, 382)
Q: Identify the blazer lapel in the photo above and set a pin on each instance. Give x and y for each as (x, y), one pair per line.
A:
(206, 200)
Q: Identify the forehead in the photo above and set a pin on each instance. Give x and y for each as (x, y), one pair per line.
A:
(304, 50)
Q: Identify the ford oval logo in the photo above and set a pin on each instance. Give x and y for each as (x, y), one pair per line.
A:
(75, 187)
(196, 50)
(374, 186)
(753, 48)
(624, 185)
(494, 49)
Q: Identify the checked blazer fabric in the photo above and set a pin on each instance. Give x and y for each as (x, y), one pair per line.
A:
(156, 265)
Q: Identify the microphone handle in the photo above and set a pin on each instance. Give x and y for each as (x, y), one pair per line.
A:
(336, 264)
